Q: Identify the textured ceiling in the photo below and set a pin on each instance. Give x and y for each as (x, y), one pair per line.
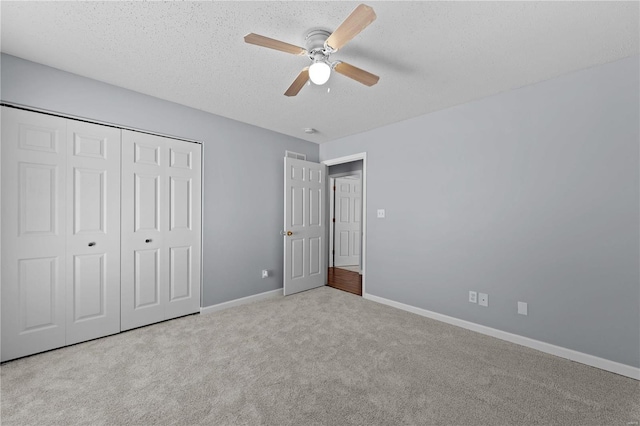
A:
(429, 55)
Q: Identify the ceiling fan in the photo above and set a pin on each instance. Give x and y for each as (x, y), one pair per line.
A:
(320, 44)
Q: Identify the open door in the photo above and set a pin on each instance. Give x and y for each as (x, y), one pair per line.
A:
(304, 227)
(347, 221)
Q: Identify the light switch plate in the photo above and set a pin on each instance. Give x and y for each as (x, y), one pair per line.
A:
(523, 308)
(381, 213)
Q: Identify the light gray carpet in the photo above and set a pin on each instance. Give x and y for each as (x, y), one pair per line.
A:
(319, 357)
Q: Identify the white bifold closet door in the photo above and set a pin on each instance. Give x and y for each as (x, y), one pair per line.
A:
(60, 232)
(161, 228)
(93, 231)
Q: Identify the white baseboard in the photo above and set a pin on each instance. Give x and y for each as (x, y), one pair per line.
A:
(241, 301)
(593, 361)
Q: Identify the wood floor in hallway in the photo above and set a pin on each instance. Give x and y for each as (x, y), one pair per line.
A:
(345, 280)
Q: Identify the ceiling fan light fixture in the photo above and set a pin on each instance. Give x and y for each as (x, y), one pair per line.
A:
(319, 72)
(320, 44)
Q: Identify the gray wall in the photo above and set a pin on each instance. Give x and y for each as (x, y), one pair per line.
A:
(530, 195)
(243, 169)
(351, 166)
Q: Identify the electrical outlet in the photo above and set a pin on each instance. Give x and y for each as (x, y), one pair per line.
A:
(484, 299)
(265, 273)
(522, 308)
(381, 213)
(473, 297)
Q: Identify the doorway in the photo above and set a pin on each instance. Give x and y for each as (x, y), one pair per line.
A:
(347, 223)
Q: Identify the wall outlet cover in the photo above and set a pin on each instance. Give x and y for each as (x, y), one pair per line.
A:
(381, 213)
(265, 273)
(483, 299)
(473, 297)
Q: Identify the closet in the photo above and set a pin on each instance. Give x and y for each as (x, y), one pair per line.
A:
(101, 230)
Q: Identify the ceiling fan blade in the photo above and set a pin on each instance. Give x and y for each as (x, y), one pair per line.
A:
(356, 74)
(298, 83)
(274, 44)
(359, 19)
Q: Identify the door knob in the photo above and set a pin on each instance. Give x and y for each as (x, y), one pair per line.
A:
(148, 240)
(289, 233)
(92, 243)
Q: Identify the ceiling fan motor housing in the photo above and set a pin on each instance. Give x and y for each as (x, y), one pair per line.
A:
(315, 43)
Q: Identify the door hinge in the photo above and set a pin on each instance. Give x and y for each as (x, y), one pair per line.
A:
(334, 220)
(334, 187)
(333, 252)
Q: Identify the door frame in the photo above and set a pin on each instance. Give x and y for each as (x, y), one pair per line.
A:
(348, 159)
(332, 201)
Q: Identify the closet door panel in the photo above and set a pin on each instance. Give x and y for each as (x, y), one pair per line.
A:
(161, 228)
(144, 289)
(93, 228)
(33, 232)
(183, 236)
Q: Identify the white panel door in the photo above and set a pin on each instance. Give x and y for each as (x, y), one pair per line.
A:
(348, 219)
(93, 229)
(33, 232)
(144, 289)
(161, 228)
(304, 225)
(182, 238)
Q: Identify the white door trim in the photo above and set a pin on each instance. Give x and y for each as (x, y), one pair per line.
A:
(347, 159)
(201, 225)
(332, 199)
